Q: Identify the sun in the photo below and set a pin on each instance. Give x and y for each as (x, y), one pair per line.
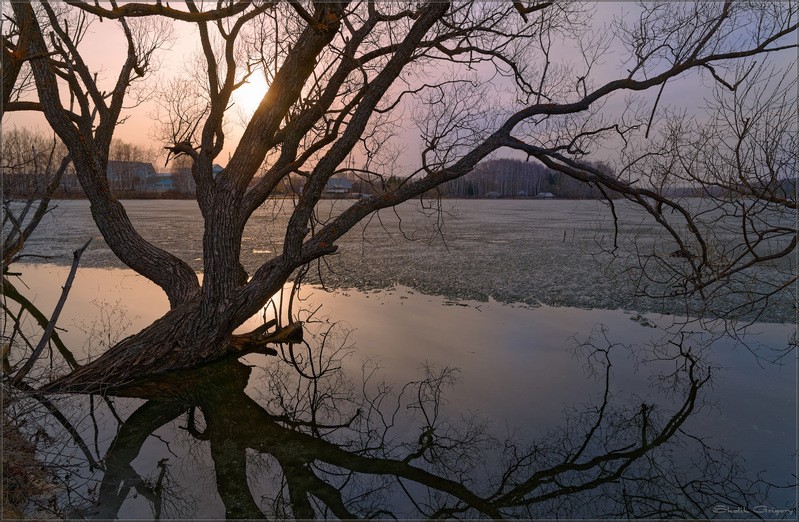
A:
(249, 96)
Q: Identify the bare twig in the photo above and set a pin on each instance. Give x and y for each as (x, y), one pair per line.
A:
(53, 319)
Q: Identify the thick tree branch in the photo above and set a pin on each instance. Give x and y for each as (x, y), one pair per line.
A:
(90, 159)
(158, 9)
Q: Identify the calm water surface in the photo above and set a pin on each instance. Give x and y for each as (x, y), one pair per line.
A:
(456, 348)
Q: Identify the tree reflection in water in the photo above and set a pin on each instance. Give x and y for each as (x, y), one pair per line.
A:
(303, 441)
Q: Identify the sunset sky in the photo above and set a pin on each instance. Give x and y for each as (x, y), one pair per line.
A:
(104, 49)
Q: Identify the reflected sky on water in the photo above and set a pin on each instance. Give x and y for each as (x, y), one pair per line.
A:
(227, 432)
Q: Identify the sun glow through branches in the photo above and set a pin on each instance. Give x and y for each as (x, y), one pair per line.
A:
(248, 96)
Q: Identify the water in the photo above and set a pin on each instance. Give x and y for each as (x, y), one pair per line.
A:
(512, 251)
(373, 380)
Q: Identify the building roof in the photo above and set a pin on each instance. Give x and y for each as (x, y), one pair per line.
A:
(338, 183)
(139, 169)
(162, 181)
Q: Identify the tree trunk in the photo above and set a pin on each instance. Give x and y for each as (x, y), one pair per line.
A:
(177, 341)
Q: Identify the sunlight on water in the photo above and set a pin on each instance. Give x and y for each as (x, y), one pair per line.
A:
(517, 368)
(504, 309)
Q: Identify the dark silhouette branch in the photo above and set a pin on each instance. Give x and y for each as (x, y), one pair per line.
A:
(45, 339)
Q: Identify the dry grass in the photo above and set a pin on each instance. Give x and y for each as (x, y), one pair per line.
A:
(24, 477)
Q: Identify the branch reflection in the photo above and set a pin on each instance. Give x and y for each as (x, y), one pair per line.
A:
(300, 440)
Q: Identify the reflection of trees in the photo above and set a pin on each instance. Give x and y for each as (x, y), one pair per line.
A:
(120, 477)
(36, 167)
(344, 77)
(350, 453)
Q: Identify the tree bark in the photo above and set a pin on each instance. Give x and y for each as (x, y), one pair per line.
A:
(90, 159)
(330, 83)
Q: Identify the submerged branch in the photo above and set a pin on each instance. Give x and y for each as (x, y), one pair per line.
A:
(12, 293)
(257, 340)
(53, 319)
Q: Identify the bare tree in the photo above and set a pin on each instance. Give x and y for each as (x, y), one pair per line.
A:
(339, 73)
(32, 165)
(16, 53)
(181, 173)
(730, 252)
(356, 450)
(32, 171)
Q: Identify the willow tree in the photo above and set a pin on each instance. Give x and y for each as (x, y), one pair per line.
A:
(342, 78)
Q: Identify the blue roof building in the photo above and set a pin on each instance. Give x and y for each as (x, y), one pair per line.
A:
(338, 186)
(161, 183)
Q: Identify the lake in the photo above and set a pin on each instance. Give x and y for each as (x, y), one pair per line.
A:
(491, 352)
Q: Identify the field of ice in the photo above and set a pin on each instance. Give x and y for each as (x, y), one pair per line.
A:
(397, 279)
(512, 251)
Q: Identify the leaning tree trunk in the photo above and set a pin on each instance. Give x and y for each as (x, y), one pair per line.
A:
(176, 341)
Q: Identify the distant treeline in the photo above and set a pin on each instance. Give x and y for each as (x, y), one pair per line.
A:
(784, 188)
(508, 178)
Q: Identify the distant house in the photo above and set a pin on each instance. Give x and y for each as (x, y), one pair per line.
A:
(545, 195)
(338, 186)
(161, 183)
(216, 170)
(129, 175)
